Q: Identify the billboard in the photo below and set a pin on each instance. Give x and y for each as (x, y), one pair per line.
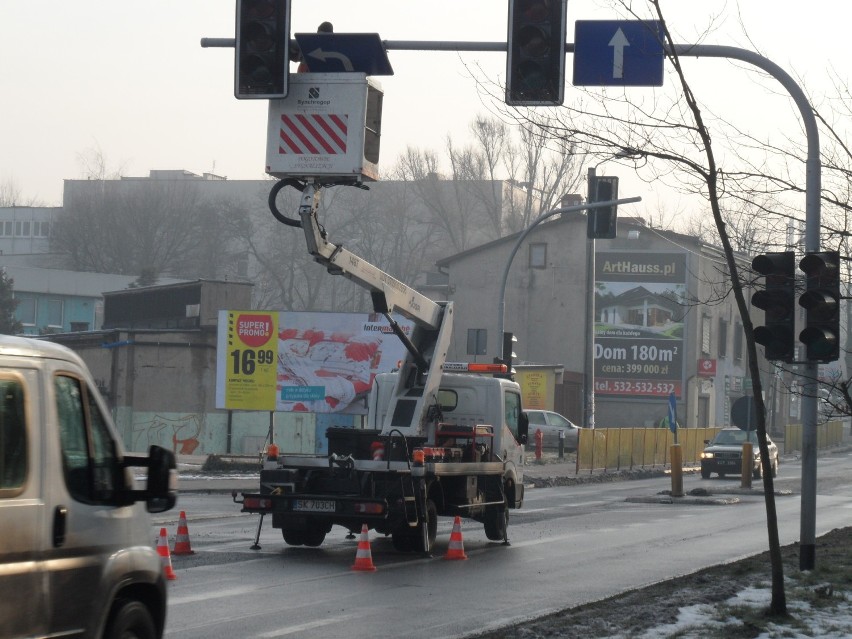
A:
(640, 308)
(303, 362)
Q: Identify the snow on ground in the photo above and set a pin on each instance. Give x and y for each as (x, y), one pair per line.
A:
(694, 622)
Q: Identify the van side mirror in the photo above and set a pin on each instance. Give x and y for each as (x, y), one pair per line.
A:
(162, 480)
(523, 428)
(160, 492)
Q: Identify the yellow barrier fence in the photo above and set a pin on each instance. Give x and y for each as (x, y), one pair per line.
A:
(828, 434)
(625, 448)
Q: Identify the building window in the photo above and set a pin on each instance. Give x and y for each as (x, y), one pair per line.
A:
(538, 255)
(705, 335)
(54, 313)
(723, 337)
(8, 228)
(26, 310)
(43, 229)
(477, 341)
(738, 341)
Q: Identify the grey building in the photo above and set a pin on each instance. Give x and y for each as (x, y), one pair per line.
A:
(663, 323)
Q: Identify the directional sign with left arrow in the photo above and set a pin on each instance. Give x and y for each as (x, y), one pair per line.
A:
(344, 52)
(618, 53)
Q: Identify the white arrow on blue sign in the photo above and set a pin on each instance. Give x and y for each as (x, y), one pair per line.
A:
(618, 53)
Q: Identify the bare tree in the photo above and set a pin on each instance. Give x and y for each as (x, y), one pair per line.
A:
(673, 143)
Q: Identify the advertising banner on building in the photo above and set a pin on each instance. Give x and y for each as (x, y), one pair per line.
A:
(302, 362)
(640, 306)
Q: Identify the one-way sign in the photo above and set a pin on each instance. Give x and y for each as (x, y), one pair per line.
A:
(618, 53)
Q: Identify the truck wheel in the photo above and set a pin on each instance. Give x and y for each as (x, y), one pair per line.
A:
(130, 619)
(293, 537)
(314, 536)
(403, 540)
(496, 523)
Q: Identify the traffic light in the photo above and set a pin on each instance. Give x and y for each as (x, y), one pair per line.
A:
(777, 300)
(602, 221)
(821, 301)
(262, 49)
(535, 61)
(508, 354)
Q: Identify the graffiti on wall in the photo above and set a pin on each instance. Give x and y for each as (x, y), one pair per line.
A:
(182, 432)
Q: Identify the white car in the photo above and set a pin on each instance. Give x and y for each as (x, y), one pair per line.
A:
(550, 423)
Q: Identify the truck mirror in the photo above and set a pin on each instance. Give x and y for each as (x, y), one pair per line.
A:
(161, 493)
(523, 428)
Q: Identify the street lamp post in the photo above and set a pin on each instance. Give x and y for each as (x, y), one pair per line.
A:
(501, 312)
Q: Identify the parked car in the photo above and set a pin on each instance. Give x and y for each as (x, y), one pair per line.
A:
(724, 454)
(550, 423)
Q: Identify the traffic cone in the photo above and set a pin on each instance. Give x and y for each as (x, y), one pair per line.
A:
(163, 551)
(456, 548)
(182, 546)
(364, 558)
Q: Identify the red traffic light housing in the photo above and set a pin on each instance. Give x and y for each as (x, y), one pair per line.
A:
(821, 301)
(262, 49)
(777, 300)
(535, 60)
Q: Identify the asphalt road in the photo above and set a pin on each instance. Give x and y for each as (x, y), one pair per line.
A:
(569, 545)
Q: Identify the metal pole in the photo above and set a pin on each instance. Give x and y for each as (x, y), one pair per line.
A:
(810, 370)
(589, 359)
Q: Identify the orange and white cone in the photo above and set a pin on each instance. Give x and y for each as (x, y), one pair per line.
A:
(165, 557)
(182, 546)
(456, 548)
(364, 558)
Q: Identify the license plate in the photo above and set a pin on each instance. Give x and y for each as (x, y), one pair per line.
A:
(729, 462)
(314, 505)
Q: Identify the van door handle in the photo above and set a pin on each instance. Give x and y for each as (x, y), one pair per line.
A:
(60, 520)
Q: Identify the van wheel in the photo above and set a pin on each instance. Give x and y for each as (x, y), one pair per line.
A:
(130, 619)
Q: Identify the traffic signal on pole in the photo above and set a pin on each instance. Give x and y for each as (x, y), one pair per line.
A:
(262, 46)
(602, 222)
(535, 60)
(508, 354)
(777, 300)
(821, 301)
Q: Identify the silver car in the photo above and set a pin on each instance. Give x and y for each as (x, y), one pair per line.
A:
(550, 423)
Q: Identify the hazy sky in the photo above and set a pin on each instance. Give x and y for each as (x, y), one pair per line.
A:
(129, 80)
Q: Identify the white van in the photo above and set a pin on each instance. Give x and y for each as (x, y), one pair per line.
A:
(76, 554)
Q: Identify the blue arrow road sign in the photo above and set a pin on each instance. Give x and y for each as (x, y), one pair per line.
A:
(627, 53)
(341, 52)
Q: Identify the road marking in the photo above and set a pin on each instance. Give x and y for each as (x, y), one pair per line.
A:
(319, 623)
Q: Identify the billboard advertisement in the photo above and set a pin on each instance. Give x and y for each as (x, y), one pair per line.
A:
(640, 309)
(301, 361)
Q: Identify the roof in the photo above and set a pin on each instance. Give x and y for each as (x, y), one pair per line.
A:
(28, 347)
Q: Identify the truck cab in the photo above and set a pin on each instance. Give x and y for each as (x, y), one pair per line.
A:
(76, 556)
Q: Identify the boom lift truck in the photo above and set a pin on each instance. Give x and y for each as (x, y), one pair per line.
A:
(436, 443)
